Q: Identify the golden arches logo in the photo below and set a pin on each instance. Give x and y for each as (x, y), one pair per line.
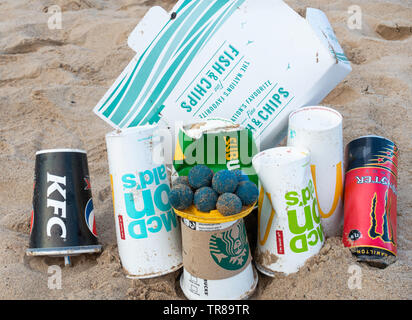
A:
(338, 190)
(179, 155)
(111, 184)
(272, 215)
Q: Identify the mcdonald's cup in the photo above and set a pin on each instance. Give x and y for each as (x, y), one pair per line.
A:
(147, 229)
(290, 232)
(319, 129)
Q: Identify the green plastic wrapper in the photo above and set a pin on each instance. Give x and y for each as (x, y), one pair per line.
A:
(218, 144)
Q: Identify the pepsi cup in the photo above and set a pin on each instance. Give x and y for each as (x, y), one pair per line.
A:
(62, 222)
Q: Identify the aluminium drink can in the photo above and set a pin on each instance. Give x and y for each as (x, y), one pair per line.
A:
(370, 203)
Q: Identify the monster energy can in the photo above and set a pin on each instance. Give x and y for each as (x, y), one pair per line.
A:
(217, 261)
(371, 200)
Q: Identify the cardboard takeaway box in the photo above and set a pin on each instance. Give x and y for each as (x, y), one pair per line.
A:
(249, 61)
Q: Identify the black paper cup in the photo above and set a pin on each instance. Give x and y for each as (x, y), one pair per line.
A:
(62, 222)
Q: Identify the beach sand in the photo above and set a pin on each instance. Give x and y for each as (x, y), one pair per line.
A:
(50, 80)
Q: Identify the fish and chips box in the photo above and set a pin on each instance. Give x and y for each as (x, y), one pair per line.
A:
(251, 62)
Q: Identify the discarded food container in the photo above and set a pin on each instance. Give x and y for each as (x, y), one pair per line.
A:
(292, 230)
(217, 261)
(212, 60)
(371, 200)
(147, 229)
(319, 129)
(217, 143)
(216, 254)
(62, 221)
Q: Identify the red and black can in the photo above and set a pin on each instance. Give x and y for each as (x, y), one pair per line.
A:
(370, 200)
(62, 222)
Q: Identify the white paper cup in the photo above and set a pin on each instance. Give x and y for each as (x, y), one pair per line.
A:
(319, 129)
(237, 287)
(290, 231)
(147, 229)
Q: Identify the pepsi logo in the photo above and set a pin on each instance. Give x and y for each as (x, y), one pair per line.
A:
(89, 216)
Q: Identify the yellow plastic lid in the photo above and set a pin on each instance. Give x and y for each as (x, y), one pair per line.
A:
(213, 216)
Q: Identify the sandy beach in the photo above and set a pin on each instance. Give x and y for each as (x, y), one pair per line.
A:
(51, 79)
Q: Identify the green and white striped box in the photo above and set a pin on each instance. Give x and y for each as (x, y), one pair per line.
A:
(252, 62)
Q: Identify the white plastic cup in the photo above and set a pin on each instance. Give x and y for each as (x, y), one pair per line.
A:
(290, 232)
(147, 229)
(238, 287)
(319, 129)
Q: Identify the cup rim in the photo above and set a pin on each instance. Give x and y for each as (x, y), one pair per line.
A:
(137, 130)
(322, 108)
(60, 150)
(305, 151)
